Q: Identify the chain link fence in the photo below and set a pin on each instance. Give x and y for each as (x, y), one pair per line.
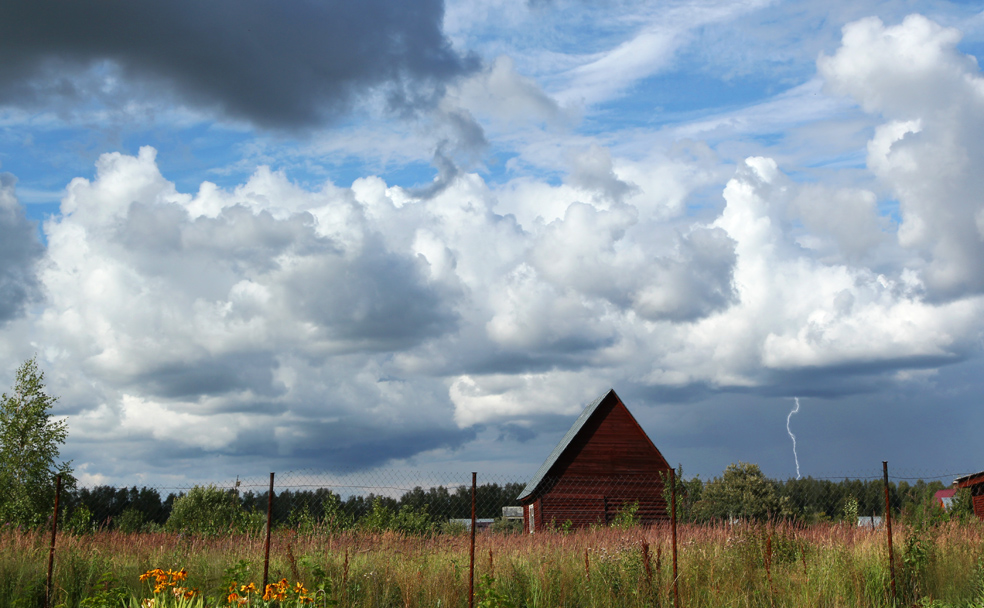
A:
(309, 501)
(780, 533)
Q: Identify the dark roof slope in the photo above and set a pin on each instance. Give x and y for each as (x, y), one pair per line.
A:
(564, 443)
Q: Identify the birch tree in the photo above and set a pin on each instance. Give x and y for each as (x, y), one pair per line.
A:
(29, 448)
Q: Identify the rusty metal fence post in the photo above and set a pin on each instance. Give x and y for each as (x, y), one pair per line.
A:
(266, 550)
(888, 526)
(51, 550)
(471, 561)
(673, 527)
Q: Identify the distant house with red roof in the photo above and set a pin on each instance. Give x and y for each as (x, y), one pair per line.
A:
(944, 498)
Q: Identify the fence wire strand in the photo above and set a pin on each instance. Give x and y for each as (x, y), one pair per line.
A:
(308, 499)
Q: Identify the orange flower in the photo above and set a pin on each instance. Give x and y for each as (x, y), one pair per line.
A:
(276, 591)
(178, 576)
(156, 573)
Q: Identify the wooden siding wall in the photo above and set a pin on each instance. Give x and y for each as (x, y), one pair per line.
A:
(610, 465)
(584, 502)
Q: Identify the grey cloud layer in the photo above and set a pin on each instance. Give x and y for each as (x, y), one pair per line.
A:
(272, 63)
(19, 253)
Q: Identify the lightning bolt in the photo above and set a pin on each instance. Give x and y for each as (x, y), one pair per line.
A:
(793, 437)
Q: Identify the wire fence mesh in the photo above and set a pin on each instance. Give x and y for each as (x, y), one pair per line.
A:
(579, 541)
(417, 502)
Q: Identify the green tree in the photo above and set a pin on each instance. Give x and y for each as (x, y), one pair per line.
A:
(743, 492)
(688, 494)
(335, 517)
(29, 450)
(962, 507)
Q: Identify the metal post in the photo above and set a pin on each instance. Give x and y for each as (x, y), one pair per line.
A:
(647, 567)
(51, 551)
(888, 525)
(471, 562)
(266, 553)
(673, 527)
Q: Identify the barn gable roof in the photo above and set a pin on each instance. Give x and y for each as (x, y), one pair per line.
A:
(969, 480)
(589, 411)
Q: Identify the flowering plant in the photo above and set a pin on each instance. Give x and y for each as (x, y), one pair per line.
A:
(281, 592)
(169, 590)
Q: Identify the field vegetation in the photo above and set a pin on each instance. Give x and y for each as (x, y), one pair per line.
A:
(747, 564)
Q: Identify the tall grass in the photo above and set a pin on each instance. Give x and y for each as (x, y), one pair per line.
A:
(822, 565)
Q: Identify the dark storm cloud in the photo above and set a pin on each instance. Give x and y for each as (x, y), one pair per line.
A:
(277, 64)
(214, 376)
(922, 428)
(349, 444)
(353, 448)
(19, 253)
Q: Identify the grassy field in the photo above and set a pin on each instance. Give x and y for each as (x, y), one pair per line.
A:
(822, 565)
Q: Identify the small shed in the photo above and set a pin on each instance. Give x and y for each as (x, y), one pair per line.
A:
(944, 498)
(976, 484)
(604, 465)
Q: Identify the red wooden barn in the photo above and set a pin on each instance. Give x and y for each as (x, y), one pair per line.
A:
(604, 463)
(976, 484)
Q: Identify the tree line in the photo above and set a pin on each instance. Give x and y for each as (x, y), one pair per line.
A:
(743, 492)
(213, 509)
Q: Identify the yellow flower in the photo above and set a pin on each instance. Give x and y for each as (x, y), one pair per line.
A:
(250, 588)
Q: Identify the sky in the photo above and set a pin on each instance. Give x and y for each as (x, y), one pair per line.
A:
(244, 237)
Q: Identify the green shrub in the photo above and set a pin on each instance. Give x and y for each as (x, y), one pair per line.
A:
(407, 520)
(507, 526)
(210, 510)
(335, 518)
(80, 521)
(628, 516)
